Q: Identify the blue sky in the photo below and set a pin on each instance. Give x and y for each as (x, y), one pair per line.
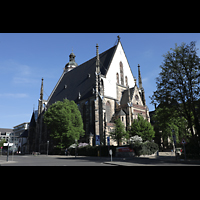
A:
(27, 57)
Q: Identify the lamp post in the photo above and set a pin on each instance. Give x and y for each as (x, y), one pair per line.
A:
(47, 146)
(8, 151)
(75, 147)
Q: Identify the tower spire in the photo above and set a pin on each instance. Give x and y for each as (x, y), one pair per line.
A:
(41, 90)
(141, 89)
(97, 59)
(40, 99)
(139, 77)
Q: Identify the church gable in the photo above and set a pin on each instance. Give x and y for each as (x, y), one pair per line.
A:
(119, 72)
(136, 97)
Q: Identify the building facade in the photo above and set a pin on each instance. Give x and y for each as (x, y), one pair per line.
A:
(104, 89)
(20, 134)
(5, 134)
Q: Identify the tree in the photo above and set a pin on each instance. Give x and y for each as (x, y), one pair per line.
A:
(166, 119)
(64, 120)
(179, 79)
(119, 132)
(143, 128)
(2, 142)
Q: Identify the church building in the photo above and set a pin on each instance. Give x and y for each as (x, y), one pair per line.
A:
(104, 89)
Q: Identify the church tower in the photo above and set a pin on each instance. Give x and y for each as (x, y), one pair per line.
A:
(71, 64)
(141, 89)
(40, 103)
(96, 102)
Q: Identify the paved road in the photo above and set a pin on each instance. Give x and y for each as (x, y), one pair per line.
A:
(52, 160)
(56, 160)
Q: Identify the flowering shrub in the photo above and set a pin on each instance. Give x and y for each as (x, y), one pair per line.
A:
(136, 138)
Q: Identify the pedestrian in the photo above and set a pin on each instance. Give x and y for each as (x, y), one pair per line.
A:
(66, 152)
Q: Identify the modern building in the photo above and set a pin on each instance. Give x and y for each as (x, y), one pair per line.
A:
(20, 133)
(5, 133)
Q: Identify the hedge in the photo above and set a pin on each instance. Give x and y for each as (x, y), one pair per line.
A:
(93, 151)
(146, 148)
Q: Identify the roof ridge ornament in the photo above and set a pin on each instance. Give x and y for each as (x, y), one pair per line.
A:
(118, 38)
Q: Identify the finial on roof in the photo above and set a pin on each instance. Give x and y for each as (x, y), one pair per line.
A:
(118, 38)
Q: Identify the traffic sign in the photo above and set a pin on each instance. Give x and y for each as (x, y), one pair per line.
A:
(183, 141)
(97, 140)
(108, 141)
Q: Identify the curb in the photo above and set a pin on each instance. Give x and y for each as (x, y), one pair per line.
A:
(113, 163)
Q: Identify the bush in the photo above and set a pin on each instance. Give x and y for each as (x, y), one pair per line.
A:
(146, 148)
(137, 146)
(93, 151)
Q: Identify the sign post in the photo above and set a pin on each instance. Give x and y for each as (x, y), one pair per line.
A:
(174, 139)
(110, 152)
(184, 142)
(8, 152)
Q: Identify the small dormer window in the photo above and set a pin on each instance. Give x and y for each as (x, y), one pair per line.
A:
(79, 95)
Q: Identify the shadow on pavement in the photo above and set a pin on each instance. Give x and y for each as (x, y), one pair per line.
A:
(137, 160)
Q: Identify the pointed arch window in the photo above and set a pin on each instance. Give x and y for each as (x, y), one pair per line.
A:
(126, 80)
(117, 76)
(102, 88)
(108, 111)
(121, 73)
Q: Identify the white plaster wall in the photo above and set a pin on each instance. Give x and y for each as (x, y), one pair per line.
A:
(111, 80)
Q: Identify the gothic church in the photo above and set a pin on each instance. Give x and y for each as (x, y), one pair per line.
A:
(104, 89)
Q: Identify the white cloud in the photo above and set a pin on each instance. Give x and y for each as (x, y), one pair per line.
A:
(14, 95)
(148, 53)
(24, 80)
(145, 80)
(19, 73)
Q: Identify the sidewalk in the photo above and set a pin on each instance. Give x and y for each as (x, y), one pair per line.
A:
(4, 161)
(151, 160)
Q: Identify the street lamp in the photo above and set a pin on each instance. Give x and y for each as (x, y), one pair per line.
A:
(8, 151)
(47, 146)
(75, 147)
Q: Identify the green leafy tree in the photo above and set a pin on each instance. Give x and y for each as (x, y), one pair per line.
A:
(64, 120)
(143, 128)
(119, 133)
(166, 119)
(179, 79)
(2, 142)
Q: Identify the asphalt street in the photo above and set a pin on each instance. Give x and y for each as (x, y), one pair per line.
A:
(56, 160)
(52, 160)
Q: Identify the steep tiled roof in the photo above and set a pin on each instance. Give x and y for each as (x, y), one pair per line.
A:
(81, 80)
